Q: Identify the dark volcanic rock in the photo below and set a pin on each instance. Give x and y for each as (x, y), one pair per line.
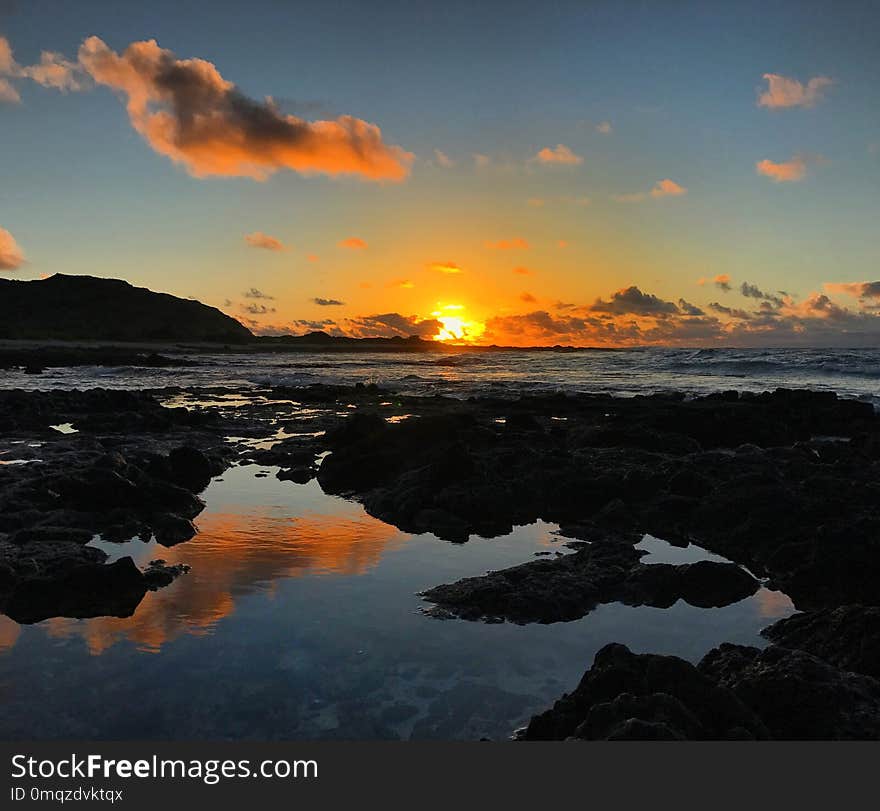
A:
(847, 637)
(798, 696)
(65, 579)
(571, 586)
(647, 697)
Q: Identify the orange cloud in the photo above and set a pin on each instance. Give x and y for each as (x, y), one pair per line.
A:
(860, 290)
(8, 93)
(521, 271)
(662, 188)
(258, 239)
(188, 112)
(515, 244)
(355, 243)
(405, 284)
(11, 256)
(785, 172)
(721, 281)
(667, 188)
(446, 267)
(527, 297)
(559, 154)
(783, 92)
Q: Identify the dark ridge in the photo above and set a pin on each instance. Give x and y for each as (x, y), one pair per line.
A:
(89, 308)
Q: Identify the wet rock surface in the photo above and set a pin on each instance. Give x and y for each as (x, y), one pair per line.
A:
(847, 637)
(571, 586)
(646, 696)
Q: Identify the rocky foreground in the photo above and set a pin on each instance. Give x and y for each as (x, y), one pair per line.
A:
(784, 485)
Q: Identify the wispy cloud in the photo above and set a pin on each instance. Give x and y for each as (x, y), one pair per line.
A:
(450, 268)
(53, 70)
(515, 244)
(604, 127)
(784, 92)
(327, 302)
(662, 188)
(443, 159)
(258, 239)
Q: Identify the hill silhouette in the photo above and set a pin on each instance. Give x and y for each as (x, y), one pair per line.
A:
(66, 307)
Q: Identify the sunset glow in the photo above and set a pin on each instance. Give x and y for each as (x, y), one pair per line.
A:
(591, 221)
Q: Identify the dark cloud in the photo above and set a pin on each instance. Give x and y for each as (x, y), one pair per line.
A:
(254, 293)
(753, 291)
(632, 301)
(387, 325)
(327, 302)
(257, 309)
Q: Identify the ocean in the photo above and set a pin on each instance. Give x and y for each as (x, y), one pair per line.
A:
(626, 372)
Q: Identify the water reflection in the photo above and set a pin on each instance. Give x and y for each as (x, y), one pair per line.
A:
(300, 620)
(241, 548)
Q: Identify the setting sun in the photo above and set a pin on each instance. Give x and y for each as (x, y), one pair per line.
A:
(456, 327)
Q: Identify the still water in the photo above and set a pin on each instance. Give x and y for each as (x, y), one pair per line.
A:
(300, 619)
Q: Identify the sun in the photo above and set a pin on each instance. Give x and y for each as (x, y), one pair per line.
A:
(456, 328)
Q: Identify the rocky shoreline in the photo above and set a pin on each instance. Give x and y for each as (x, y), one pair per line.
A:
(783, 485)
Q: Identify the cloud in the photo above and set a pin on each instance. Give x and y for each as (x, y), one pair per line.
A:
(521, 271)
(188, 112)
(11, 256)
(662, 188)
(388, 325)
(446, 267)
(753, 291)
(604, 127)
(515, 244)
(254, 293)
(258, 239)
(536, 202)
(721, 281)
(405, 284)
(53, 70)
(481, 161)
(256, 309)
(785, 172)
(443, 159)
(327, 302)
(355, 243)
(8, 94)
(559, 154)
(783, 92)
(632, 301)
(667, 188)
(860, 290)
(527, 297)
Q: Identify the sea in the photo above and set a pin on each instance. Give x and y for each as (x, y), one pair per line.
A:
(301, 617)
(625, 372)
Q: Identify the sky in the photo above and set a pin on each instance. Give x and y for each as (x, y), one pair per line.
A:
(605, 173)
